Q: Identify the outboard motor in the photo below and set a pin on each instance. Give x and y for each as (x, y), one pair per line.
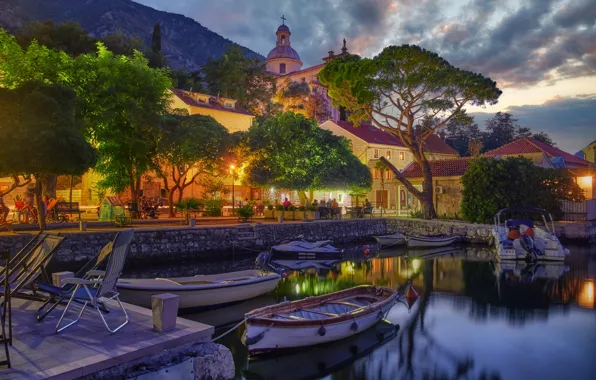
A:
(527, 244)
(262, 260)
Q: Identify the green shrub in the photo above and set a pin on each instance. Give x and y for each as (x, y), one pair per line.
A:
(491, 185)
(279, 207)
(301, 208)
(416, 214)
(245, 212)
(291, 208)
(213, 207)
(269, 207)
(189, 204)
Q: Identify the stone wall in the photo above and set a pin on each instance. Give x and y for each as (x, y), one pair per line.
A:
(210, 243)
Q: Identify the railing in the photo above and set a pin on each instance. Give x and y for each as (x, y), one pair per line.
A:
(579, 211)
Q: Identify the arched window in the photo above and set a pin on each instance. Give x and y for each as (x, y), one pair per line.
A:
(282, 68)
(283, 40)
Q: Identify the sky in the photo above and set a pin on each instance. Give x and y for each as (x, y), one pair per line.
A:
(541, 53)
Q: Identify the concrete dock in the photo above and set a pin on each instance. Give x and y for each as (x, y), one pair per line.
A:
(87, 347)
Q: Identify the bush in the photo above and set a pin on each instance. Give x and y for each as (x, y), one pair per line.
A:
(245, 211)
(301, 208)
(491, 185)
(314, 208)
(213, 207)
(291, 208)
(279, 207)
(416, 214)
(269, 207)
(189, 204)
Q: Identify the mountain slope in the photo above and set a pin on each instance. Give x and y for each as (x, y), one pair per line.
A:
(185, 43)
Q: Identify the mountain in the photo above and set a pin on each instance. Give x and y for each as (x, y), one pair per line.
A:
(185, 43)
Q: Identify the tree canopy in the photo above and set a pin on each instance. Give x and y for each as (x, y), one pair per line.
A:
(491, 185)
(397, 90)
(237, 77)
(291, 151)
(40, 134)
(297, 97)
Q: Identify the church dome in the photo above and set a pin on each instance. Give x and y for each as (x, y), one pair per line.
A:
(283, 51)
(283, 28)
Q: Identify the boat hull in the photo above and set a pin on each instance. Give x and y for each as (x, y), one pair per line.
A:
(265, 335)
(430, 242)
(549, 246)
(307, 255)
(135, 292)
(391, 240)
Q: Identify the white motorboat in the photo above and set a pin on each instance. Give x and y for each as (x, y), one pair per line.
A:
(317, 320)
(302, 249)
(522, 239)
(431, 241)
(201, 291)
(386, 241)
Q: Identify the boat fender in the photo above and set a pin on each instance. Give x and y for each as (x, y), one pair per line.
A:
(322, 331)
(354, 326)
(255, 339)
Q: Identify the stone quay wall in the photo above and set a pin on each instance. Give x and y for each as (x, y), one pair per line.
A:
(156, 245)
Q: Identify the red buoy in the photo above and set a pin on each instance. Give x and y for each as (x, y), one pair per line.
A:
(411, 295)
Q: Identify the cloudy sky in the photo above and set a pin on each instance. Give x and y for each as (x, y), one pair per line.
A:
(542, 53)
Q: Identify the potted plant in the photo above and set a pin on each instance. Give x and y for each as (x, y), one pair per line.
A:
(290, 213)
(313, 213)
(269, 212)
(300, 213)
(245, 213)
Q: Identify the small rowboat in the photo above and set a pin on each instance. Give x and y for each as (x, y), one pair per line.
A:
(201, 291)
(306, 250)
(431, 241)
(316, 320)
(392, 240)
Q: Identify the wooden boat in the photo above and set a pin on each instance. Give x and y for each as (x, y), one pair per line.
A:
(431, 241)
(201, 291)
(316, 320)
(392, 240)
(306, 250)
(319, 361)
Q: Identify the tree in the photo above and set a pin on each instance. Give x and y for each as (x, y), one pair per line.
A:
(69, 37)
(399, 88)
(460, 132)
(297, 97)
(190, 146)
(156, 57)
(292, 152)
(121, 43)
(120, 100)
(237, 77)
(491, 185)
(42, 118)
(544, 137)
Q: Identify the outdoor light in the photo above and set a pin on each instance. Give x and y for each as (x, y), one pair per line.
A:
(416, 265)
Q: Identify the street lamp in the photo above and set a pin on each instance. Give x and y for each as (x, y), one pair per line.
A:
(232, 167)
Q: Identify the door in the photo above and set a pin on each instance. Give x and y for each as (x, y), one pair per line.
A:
(382, 199)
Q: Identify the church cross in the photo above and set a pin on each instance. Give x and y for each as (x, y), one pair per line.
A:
(283, 18)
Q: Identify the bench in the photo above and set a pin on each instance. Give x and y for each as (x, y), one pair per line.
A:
(63, 208)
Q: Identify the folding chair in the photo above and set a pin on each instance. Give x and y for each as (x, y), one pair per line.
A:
(89, 271)
(98, 292)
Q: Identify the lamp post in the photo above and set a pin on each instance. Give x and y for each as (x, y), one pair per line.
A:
(232, 167)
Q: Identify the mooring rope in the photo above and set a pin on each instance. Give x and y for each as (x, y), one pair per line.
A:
(229, 331)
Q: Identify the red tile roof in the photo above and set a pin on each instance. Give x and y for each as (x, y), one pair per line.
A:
(453, 167)
(213, 103)
(374, 135)
(531, 145)
(304, 70)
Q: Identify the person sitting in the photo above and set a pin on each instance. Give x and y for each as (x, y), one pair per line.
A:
(367, 207)
(286, 204)
(315, 203)
(307, 203)
(329, 202)
(4, 210)
(30, 206)
(334, 204)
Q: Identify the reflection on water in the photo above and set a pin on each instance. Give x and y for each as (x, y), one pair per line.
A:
(476, 318)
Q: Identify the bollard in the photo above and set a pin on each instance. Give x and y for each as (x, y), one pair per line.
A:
(193, 222)
(165, 311)
(280, 218)
(58, 277)
(82, 226)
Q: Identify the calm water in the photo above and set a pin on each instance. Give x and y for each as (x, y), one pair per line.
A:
(474, 319)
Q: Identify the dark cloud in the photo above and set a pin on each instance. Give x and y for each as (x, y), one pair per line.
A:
(570, 121)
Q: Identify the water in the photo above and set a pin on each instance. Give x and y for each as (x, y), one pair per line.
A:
(474, 319)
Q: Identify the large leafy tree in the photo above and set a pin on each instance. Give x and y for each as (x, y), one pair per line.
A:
(237, 77)
(299, 98)
(462, 132)
(290, 151)
(189, 147)
(503, 128)
(120, 100)
(490, 185)
(400, 87)
(41, 135)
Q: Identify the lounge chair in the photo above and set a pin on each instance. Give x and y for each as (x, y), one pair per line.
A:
(89, 271)
(25, 268)
(98, 292)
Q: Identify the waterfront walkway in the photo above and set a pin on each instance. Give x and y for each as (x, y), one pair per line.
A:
(87, 347)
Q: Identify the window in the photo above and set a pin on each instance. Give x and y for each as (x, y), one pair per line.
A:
(283, 40)
(376, 153)
(402, 156)
(375, 173)
(388, 174)
(282, 68)
(388, 155)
